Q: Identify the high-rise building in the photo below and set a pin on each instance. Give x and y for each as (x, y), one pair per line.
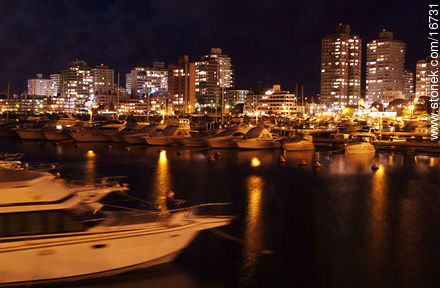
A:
(103, 79)
(38, 86)
(214, 74)
(423, 80)
(385, 68)
(143, 80)
(341, 68)
(408, 85)
(55, 85)
(77, 83)
(181, 86)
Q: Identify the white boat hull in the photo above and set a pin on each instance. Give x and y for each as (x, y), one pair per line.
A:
(89, 136)
(256, 144)
(92, 256)
(221, 142)
(194, 142)
(31, 134)
(56, 136)
(164, 140)
(134, 139)
(298, 146)
(116, 138)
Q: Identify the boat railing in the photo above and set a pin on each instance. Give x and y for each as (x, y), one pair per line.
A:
(99, 182)
(181, 216)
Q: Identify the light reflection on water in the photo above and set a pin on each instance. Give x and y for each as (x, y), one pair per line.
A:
(377, 225)
(253, 228)
(162, 183)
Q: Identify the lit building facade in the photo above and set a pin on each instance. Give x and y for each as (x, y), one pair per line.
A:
(55, 85)
(385, 68)
(181, 86)
(423, 81)
(214, 74)
(103, 79)
(276, 101)
(408, 85)
(341, 68)
(38, 86)
(143, 80)
(236, 96)
(77, 84)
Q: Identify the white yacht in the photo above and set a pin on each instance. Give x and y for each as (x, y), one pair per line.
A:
(52, 232)
(170, 135)
(228, 137)
(196, 140)
(304, 144)
(130, 128)
(37, 130)
(100, 133)
(258, 138)
(136, 137)
(360, 143)
(62, 133)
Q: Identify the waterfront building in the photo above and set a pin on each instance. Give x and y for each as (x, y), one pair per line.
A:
(385, 68)
(408, 85)
(181, 86)
(77, 84)
(341, 68)
(143, 80)
(236, 96)
(214, 74)
(276, 101)
(38, 86)
(103, 79)
(55, 85)
(423, 81)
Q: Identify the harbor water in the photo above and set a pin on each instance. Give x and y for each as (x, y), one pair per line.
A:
(343, 224)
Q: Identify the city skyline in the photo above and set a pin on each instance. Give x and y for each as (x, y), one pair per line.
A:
(289, 42)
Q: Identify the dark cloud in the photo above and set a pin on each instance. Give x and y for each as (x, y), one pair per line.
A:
(269, 41)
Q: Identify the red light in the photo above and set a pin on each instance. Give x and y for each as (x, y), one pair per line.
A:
(340, 23)
(102, 64)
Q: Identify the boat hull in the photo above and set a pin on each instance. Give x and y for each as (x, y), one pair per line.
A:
(31, 134)
(92, 256)
(57, 136)
(134, 139)
(89, 136)
(194, 142)
(298, 146)
(164, 140)
(116, 138)
(219, 142)
(254, 145)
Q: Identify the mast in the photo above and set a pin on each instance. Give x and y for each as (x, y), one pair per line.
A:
(302, 95)
(221, 107)
(117, 93)
(7, 108)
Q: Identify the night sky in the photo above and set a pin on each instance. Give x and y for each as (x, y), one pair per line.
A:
(269, 41)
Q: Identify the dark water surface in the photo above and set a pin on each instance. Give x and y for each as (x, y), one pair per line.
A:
(342, 225)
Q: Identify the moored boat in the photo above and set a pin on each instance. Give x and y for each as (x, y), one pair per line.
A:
(228, 137)
(304, 144)
(136, 137)
(170, 135)
(258, 138)
(55, 232)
